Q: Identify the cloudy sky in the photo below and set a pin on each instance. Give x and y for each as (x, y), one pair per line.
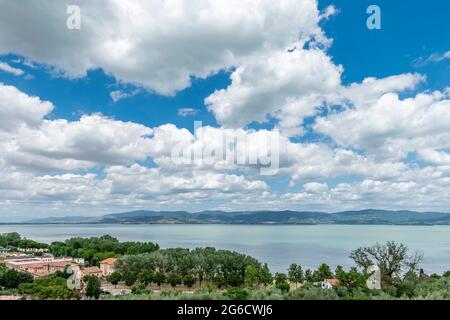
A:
(89, 117)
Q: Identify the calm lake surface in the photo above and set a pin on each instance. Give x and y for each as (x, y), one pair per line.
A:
(277, 245)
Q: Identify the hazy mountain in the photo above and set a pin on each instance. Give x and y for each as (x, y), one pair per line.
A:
(370, 216)
(68, 219)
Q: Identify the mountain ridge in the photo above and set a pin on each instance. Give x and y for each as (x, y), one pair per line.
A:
(363, 217)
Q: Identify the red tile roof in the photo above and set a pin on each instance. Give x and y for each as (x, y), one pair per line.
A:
(91, 270)
(333, 282)
(109, 261)
(10, 298)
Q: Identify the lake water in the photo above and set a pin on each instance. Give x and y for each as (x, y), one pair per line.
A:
(275, 244)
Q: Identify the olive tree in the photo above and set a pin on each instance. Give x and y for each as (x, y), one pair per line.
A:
(392, 258)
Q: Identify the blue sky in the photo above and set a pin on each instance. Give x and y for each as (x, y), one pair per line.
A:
(409, 32)
(334, 156)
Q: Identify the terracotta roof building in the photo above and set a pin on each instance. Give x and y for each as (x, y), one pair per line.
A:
(329, 283)
(91, 271)
(107, 266)
(39, 266)
(10, 298)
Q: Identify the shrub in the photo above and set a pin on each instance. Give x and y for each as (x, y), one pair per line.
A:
(93, 289)
(266, 294)
(50, 287)
(313, 293)
(189, 281)
(141, 289)
(237, 294)
(283, 287)
(174, 280)
(11, 279)
(281, 282)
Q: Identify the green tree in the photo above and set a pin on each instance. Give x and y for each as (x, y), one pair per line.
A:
(202, 263)
(350, 279)
(141, 289)
(96, 249)
(7, 239)
(264, 275)
(392, 258)
(11, 279)
(281, 282)
(355, 279)
(93, 288)
(189, 280)
(295, 274)
(159, 278)
(94, 261)
(407, 287)
(340, 273)
(49, 287)
(14, 240)
(219, 281)
(309, 276)
(323, 272)
(174, 279)
(114, 278)
(145, 277)
(129, 278)
(251, 276)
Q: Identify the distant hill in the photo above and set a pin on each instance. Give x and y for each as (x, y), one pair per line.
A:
(369, 216)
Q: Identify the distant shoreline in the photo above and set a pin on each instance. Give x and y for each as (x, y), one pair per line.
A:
(222, 224)
(262, 217)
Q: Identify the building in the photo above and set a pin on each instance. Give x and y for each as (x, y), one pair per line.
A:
(39, 266)
(91, 271)
(3, 251)
(33, 250)
(10, 298)
(11, 254)
(46, 258)
(329, 283)
(107, 266)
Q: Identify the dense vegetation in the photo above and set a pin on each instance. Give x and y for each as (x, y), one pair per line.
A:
(11, 279)
(209, 273)
(429, 288)
(49, 287)
(222, 268)
(14, 240)
(243, 277)
(96, 249)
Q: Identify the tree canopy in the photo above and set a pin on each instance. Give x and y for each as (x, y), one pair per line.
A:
(96, 249)
(14, 240)
(218, 266)
(392, 258)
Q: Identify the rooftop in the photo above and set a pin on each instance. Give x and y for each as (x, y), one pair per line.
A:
(10, 298)
(91, 270)
(333, 282)
(109, 261)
